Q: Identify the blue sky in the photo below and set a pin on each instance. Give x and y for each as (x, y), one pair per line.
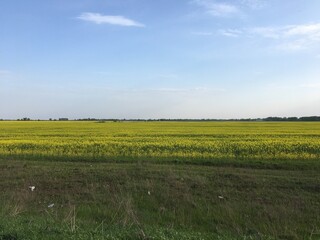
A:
(159, 59)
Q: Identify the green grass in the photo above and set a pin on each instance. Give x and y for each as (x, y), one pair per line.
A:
(152, 196)
(257, 203)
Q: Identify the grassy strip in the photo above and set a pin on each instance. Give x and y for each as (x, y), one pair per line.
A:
(45, 228)
(267, 163)
(152, 201)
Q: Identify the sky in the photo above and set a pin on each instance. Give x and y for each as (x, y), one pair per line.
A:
(159, 59)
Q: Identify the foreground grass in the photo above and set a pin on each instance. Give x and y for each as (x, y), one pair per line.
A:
(151, 201)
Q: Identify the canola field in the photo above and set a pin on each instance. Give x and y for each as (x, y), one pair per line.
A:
(193, 142)
(159, 180)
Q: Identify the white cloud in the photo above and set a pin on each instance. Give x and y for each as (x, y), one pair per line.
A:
(311, 31)
(253, 4)
(223, 9)
(108, 19)
(295, 45)
(230, 32)
(267, 32)
(218, 9)
(289, 37)
(292, 37)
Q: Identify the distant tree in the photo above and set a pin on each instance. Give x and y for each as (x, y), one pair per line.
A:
(312, 118)
(273, 119)
(293, 119)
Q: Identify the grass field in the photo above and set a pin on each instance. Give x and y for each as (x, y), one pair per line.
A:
(159, 180)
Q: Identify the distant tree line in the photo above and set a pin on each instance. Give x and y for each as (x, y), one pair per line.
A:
(294, 119)
(268, 119)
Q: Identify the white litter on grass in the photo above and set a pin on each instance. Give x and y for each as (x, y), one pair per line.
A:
(32, 188)
(51, 205)
(220, 197)
(149, 193)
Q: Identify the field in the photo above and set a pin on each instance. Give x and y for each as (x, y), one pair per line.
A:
(191, 142)
(159, 180)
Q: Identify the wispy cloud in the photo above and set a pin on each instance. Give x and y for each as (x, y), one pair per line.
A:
(98, 18)
(218, 9)
(294, 45)
(311, 31)
(292, 37)
(230, 32)
(254, 4)
(267, 32)
(289, 37)
(225, 8)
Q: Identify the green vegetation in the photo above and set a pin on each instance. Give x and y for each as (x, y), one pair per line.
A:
(159, 180)
(195, 142)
